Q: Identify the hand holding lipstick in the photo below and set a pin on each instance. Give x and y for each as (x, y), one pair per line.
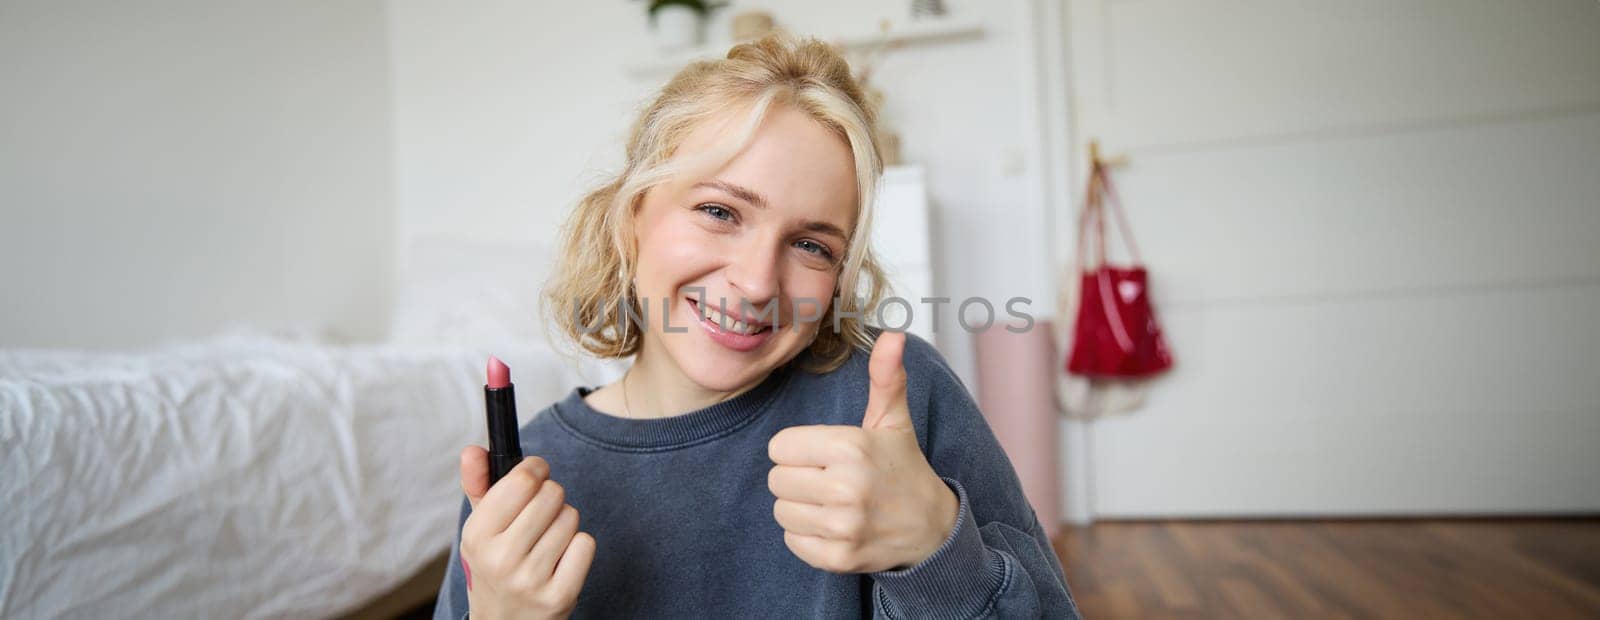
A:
(520, 548)
(858, 500)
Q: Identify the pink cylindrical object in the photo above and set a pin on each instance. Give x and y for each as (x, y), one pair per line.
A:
(1016, 391)
(497, 375)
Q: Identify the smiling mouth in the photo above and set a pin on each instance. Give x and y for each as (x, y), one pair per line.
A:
(727, 323)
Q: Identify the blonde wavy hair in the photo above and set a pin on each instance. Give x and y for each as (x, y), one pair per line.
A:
(593, 278)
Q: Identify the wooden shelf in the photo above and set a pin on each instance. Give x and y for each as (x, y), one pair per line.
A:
(909, 32)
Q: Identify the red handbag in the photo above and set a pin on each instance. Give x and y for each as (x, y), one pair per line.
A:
(1116, 335)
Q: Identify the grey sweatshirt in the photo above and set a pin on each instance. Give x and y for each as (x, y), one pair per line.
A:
(682, 517)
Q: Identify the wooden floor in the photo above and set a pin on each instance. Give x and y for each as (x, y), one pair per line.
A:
(1335, 569)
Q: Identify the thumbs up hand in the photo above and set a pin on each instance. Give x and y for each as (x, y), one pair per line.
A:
(862, 499)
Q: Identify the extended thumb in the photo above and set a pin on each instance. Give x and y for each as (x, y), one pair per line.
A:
(886, 402)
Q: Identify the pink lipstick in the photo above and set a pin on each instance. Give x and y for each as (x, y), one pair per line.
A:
(500, 405)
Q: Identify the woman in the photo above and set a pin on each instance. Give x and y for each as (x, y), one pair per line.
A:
(767, 454)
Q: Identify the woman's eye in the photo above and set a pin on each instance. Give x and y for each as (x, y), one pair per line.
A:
(814, 248)
(717, 211)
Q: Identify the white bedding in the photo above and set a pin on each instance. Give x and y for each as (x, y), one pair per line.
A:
(237, 477)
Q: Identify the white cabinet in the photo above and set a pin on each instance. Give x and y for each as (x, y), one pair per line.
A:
(901, 239)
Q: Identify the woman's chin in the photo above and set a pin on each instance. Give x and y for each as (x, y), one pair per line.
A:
(714, 366)
(716, 369)
(724, 375)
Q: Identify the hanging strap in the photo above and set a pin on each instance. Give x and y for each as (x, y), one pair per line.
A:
(1094, 215)
(1104, 172)
(1100, 188)
(1086, 218)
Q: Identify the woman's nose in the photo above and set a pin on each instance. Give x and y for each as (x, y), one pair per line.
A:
(753, 271)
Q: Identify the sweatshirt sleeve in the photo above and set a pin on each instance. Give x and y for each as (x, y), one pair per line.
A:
(452, 601)
(997, 561)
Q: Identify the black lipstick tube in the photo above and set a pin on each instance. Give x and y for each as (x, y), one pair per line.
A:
(505, 447)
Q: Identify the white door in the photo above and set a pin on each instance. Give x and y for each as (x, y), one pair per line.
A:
(1374, 230)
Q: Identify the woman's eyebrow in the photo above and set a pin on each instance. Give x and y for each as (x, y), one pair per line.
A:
(754, 198)
(737, 191)
(824, 228)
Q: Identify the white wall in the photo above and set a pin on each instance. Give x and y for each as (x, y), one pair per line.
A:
(505, 114)
(1374, 232)
(170, 168)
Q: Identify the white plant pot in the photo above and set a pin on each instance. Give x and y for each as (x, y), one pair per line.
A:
(677, 27)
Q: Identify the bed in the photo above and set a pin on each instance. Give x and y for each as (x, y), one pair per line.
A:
(245, 475)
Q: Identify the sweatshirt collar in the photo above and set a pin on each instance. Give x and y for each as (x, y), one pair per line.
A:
(673, 432)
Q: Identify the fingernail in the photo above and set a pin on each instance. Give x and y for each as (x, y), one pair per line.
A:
(468, 571)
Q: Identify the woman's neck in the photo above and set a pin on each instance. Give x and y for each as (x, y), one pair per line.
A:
(655, 387)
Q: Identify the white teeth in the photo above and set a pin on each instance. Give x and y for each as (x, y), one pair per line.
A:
(731, 324)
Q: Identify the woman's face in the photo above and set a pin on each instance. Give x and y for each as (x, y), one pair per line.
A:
(762, 238)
